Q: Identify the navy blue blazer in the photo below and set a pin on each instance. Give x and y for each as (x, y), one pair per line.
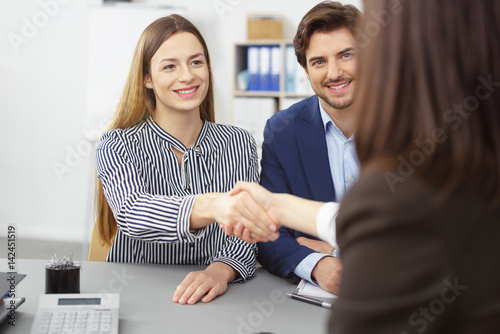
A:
(294, 161)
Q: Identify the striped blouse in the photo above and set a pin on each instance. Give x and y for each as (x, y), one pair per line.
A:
(151, 196)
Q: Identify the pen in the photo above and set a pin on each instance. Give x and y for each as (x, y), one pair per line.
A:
(310, 300)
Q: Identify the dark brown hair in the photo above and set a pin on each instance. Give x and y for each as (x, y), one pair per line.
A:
(430, 89)
(324, 17)
(138, 102)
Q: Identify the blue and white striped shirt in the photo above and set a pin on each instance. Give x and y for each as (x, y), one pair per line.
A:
(151, 196)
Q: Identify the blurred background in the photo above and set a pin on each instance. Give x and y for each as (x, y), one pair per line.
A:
(60, 71)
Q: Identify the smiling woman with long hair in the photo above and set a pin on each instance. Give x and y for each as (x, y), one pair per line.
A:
(164, 167)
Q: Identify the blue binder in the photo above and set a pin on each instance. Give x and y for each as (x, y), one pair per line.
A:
(265, 68)
(253, 68)
(290, 64)
(276, 63)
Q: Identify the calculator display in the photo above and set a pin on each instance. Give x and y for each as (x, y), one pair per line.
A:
(79, 301)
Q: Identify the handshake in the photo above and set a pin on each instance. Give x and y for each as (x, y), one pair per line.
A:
(251, 213)
(254, 214)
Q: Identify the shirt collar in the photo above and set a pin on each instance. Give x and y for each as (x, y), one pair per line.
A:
(327, 119)
(174, 141)
(324, 116)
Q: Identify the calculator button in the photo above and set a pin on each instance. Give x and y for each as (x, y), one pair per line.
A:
(80, 322)
(94, 317)
(43, 329)
(93, 328)
(57, 327)
(105, 328)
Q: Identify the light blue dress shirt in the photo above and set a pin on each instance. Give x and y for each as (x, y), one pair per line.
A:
(344, 167)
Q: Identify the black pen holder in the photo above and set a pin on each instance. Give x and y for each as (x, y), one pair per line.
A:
(62, 276)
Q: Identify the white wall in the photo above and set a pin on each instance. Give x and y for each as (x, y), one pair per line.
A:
(46, 166)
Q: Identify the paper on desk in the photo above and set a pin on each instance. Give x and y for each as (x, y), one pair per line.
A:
(309, 289)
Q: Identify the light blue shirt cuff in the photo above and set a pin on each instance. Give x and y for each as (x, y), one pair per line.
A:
(305, 267)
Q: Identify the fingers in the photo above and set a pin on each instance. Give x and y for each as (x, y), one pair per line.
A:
(250, 208)
(274, 236)
(242, 186)
(254, 216)
(236, 189)
(180, 291)
(210, 296)
(238, 230)
(189, 293)
(247, 235)
(250, 237)
(197, 285)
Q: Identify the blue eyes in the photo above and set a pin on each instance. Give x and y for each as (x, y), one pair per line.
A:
(344, 56)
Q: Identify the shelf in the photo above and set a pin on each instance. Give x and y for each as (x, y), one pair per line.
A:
(257, 93)
(252, 108)
(298, 78)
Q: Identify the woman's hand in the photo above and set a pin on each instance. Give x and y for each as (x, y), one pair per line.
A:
(208, 284)
(262, 198)
(231, 211)
(283, 209)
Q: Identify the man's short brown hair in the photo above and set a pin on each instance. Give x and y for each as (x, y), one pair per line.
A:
(324, 17)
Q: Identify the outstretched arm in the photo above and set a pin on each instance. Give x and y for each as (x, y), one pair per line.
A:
(228, 210)
(284, 209)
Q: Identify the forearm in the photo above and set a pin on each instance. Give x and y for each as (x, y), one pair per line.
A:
(204, 210)
(156, 219)
(295, 212)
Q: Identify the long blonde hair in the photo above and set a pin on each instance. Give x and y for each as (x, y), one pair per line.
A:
(138, 102)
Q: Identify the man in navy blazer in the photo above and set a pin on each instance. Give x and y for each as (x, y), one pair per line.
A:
(308, 149)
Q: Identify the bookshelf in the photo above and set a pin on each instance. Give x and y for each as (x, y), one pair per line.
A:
(283, 97)
(252, 108)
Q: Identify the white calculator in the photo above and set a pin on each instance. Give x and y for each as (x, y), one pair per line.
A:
(77, 313)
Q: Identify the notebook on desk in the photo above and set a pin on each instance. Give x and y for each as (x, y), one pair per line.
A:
(8, 282)
(309, 289)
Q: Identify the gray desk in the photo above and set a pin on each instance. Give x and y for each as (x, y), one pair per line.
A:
(146, 307)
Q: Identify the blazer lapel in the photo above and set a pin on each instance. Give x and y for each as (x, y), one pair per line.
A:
(313, 152)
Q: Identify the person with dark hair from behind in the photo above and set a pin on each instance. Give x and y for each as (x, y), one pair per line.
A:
(419, 231)
(164, 167)
(308, 149)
